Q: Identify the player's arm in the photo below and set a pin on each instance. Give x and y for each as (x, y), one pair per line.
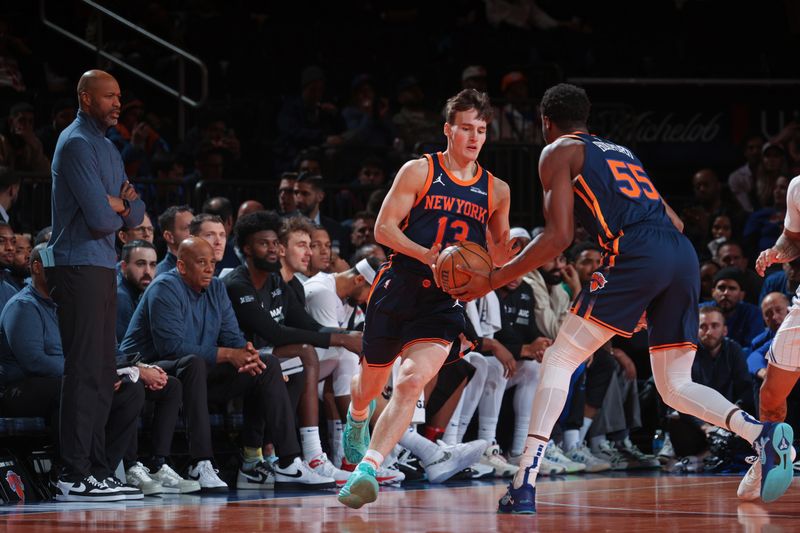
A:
(497, 238)
(787, 248)
(673, 216)
(555, 171)
(397, 205)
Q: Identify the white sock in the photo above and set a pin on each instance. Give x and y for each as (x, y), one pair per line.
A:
(426, 450)
(531, 457)
(518, 440)
(571, 439)
(487, 427)
(745, 426)
(373, 458)
(309, 439)
(451, 431)
(335, 431)
(587, 423)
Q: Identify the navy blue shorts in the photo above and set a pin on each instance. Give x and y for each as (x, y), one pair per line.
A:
(407, 308)
(656, 270)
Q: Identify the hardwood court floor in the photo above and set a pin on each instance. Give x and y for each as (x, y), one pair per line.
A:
(589, 503)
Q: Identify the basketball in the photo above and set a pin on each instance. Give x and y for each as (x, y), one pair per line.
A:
(462, 254)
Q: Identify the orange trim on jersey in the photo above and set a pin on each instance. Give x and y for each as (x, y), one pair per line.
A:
(598, 213)
(378, 277)
(471, 181)
(609, 327)
(431, 340)
(663, 347)
(585, 200)
(428, 181)
(490, 194)
(570, 136)
(364, 362)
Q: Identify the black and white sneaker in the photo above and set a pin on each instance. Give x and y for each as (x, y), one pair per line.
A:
(300, 476)
(205, 473)
(129, 491)
(86, 489)
(410, 466)
(261, 476)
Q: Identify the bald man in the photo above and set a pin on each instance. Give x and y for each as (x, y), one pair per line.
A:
(185, 324)
(249, 206)
(91, 200)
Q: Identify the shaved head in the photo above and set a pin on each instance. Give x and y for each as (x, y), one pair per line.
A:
(99, 97)
(196, 263)
(90, 79)
(249, 206)
(192, 247)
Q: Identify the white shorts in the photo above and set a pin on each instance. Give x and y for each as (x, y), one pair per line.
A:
(784, 352)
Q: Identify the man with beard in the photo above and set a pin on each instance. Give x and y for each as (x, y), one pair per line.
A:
(742, 319)
(271, 316)
(174, 223)
(308, 195)
(20, 268)
(8, 248)
(550, 297)
(137, 266)
(10, 183)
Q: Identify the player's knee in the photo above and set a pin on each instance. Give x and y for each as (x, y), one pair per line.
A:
(308, 355)
(528, 370)
(409, 384)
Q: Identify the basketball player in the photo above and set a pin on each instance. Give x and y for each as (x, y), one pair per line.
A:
(649, 265)
(783, 357)
(434, 201)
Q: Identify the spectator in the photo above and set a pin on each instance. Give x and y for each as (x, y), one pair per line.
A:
(249, 206)
(62, 115)
(32, 367)
(20, 149)
(212, 230)
(773, 165)
(516, 120)
(174, 224)
(184, 323)
(549, 295)
(222, 207)
(44, 235)
(740, 181)
(309, 161)
(708, 202)
(366, 118)
(774, 309)
(320, 251)
(136, 139)
(731, 254)
(10, 183)
(721, 232)
(308, 195)
(371, 176)
(143, 232)
(91, 200)
(474, 77)
(270, 315)
(362, 231)
(742, 320)
(212, 132)
(785, 280)
(414, 123)
(286, 203)
(138, 267)
(209, 165)
(20, 267)
(765, 225)
(708, 269)
(369, 250)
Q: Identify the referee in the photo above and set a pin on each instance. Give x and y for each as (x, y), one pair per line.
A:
(91, 200)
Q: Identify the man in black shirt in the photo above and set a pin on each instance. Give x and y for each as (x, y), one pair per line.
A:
(271, 315)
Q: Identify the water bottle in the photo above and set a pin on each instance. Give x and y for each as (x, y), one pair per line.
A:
(658, 441)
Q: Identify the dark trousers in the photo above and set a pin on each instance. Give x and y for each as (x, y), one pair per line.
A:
(39, 396)
(87, 314)
(166, 408)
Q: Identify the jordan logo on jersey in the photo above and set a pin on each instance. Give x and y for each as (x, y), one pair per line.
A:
(597, 282)
(458, 304)
(438, 180)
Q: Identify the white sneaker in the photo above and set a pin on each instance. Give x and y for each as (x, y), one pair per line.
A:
(261, 476)
(299, 475)
(205, 474)
(494, 459)
(129, 491)
(480, 470)
(389, 475)
(581, 454)
(322, 466)
(554, 454)
(750, 485)
(139, 476)
(546, 466)
(172, 483)
(454, 459)
(86, 489)
(608, 453)
(667, 451)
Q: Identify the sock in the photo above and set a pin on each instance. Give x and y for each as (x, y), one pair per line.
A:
(594, 442)
(487, 427)
(309, 439)
(745, 426)
(571, 439)
(335, 431)
(451, 433)
(463, 425)
(432, 433)
(531, 459)
(587, 423)
(425, 450)
(251, 457)
(359, 415)
(373, 458)
(518, 440)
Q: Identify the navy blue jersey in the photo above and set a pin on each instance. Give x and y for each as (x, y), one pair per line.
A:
(614, 192)
(449, 210)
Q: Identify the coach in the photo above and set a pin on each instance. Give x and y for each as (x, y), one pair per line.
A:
(91, 200)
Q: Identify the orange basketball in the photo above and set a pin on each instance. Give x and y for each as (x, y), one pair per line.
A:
(465, 254)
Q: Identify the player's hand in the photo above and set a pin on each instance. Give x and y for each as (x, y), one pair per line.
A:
(430, 257)
(572, 279)
(128, 192)
(766, 259)
(153, 377)
(116, 204)
(535, 350)
(477, 286)
(352, 341)
(505, 249)
(505, 358)
(626, 363)
(641, 324)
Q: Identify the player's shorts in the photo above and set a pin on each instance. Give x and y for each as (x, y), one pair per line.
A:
(784, 352)
(406, 308)
(655, 270)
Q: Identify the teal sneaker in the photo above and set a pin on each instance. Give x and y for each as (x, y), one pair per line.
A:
(774, 447)
(361, 488)
(355, 437)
